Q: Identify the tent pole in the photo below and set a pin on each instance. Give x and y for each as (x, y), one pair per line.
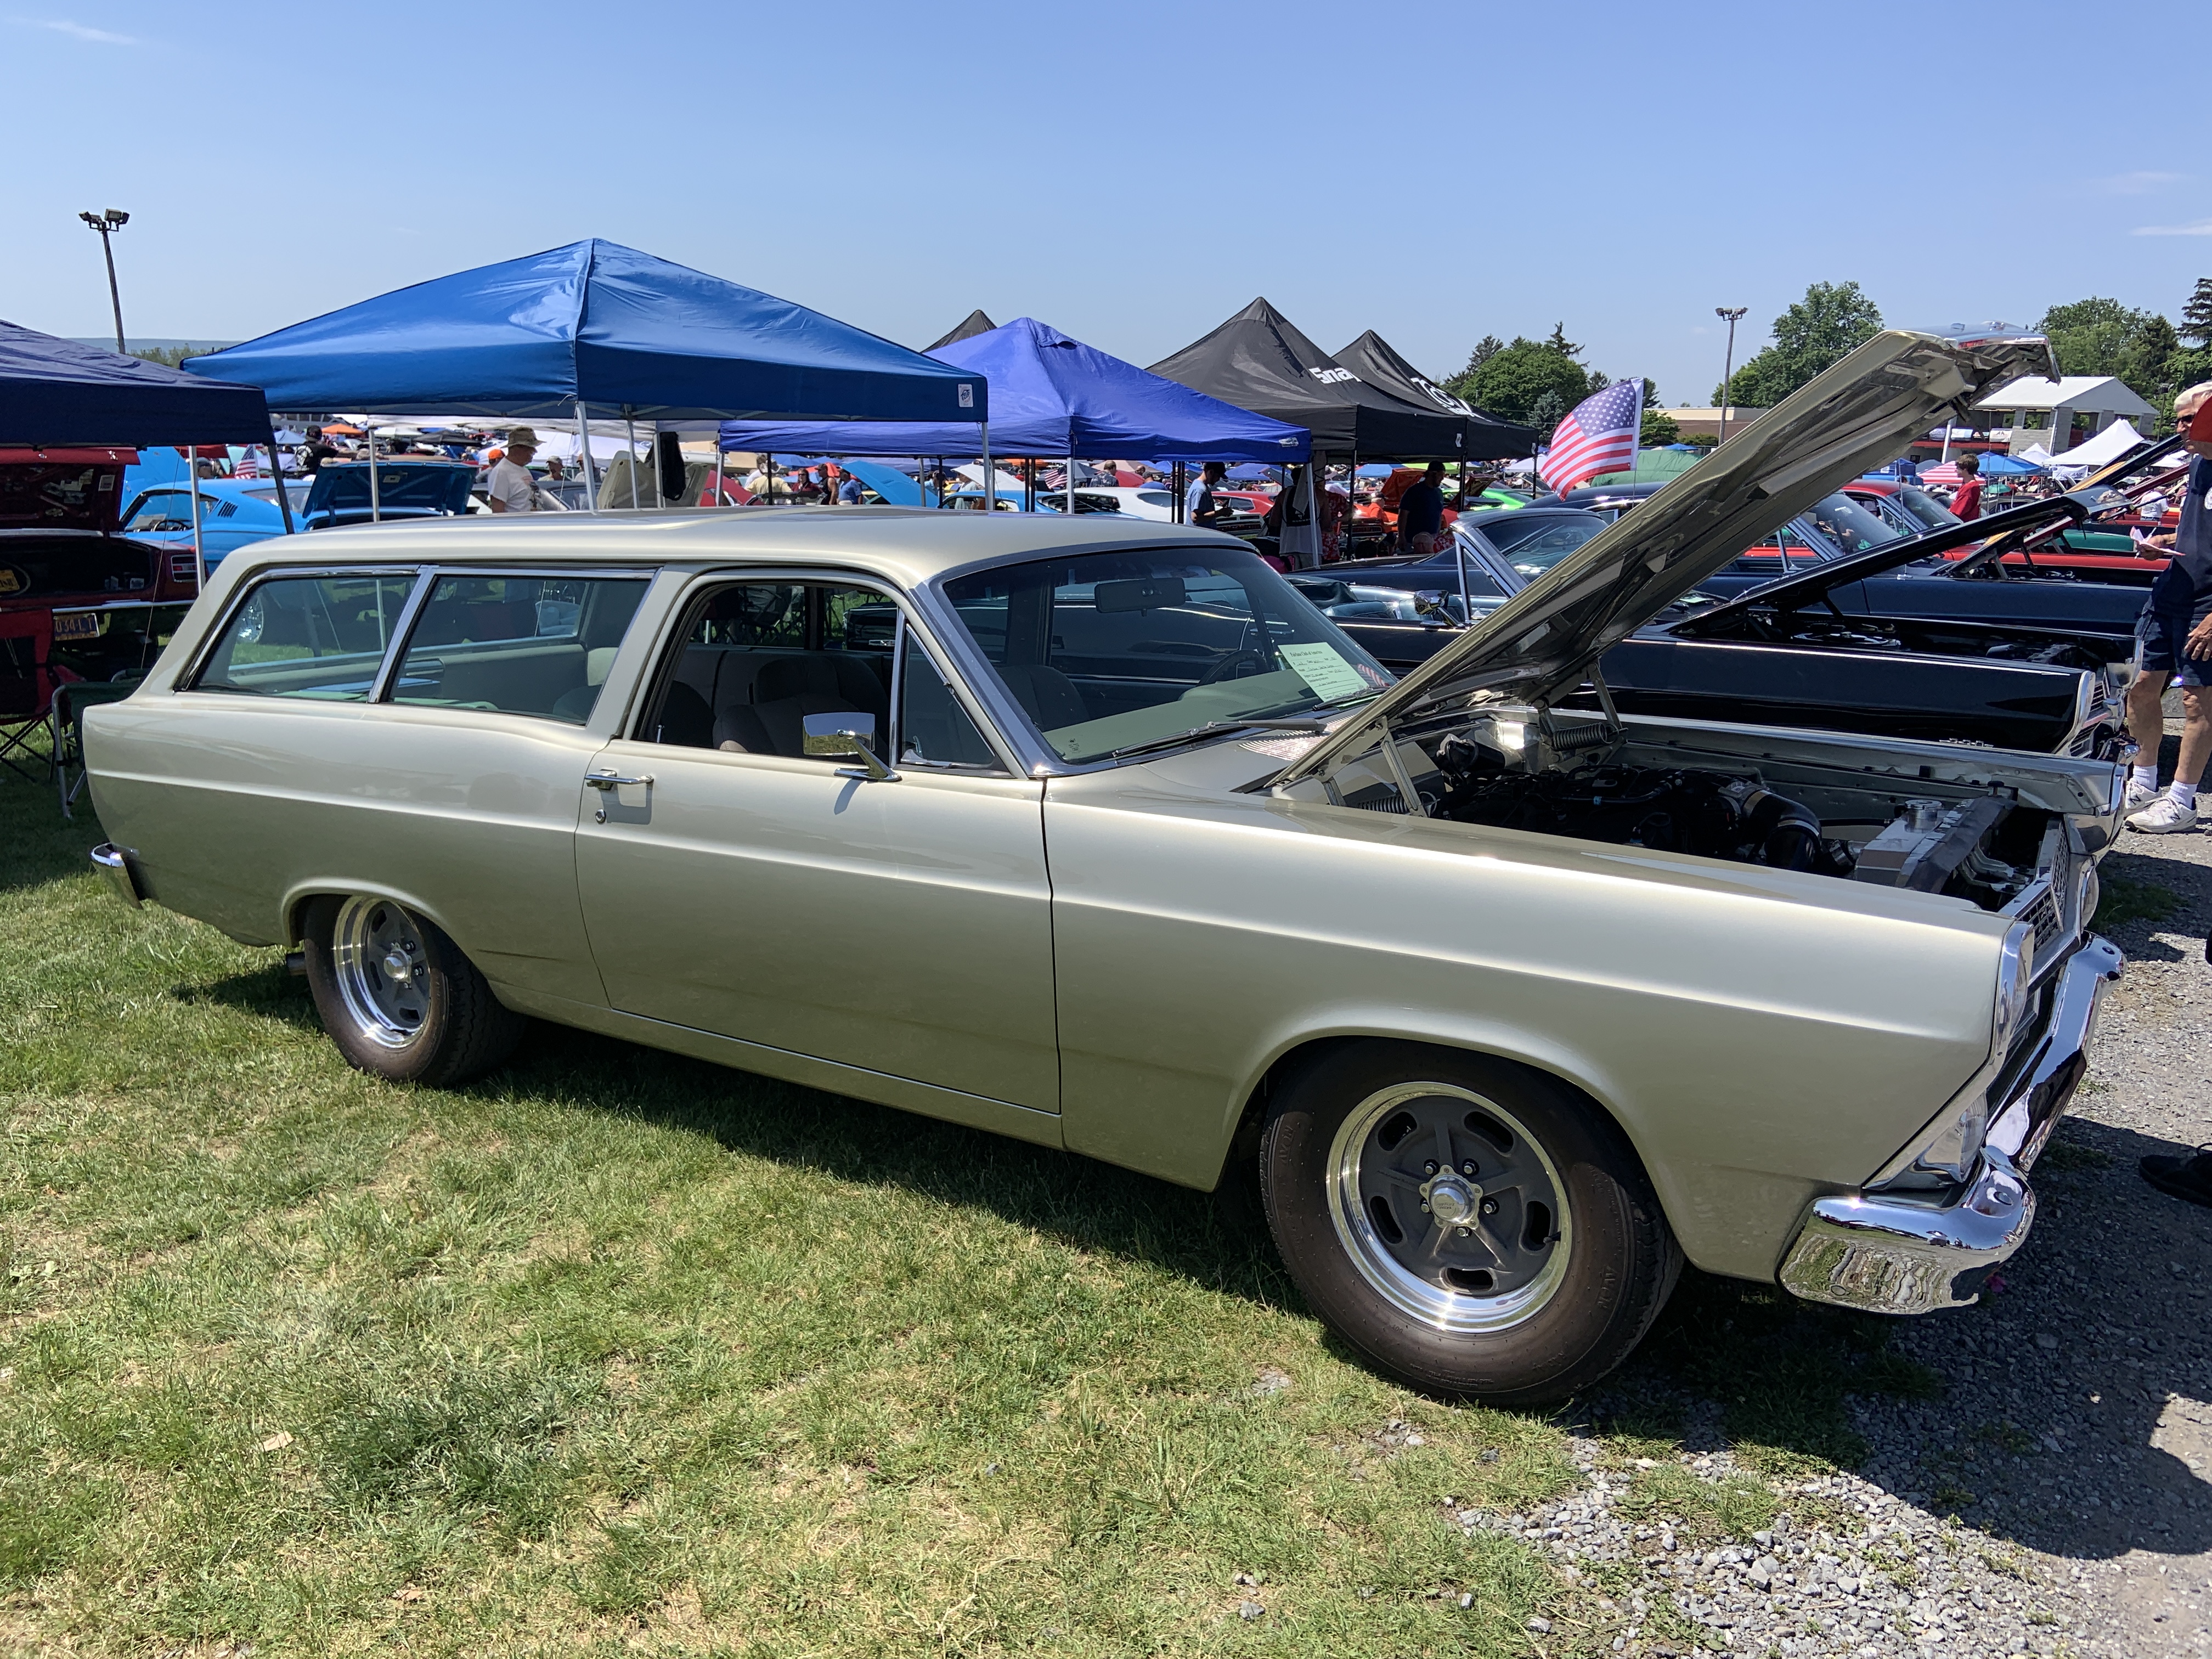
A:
(629, 425)
(1071, 474)
(199, 553)
(583, 456)
(990, 477)
(375, 502)
(276, 469)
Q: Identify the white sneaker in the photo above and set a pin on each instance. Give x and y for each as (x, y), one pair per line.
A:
(2164, 817)
(2140, 795)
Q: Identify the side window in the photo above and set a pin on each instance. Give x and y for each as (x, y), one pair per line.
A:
(520, 645)
(308, 636)
(758, 660)
(933, 728)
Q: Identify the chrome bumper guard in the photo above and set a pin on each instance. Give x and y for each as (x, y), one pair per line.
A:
(1907, 1253)
(115, 864)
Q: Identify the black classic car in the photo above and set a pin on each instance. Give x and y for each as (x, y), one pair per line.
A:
(1866, 565)
(2011, 685)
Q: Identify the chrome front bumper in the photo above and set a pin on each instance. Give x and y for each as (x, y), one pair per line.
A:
(115, 864)
(1910, 1253)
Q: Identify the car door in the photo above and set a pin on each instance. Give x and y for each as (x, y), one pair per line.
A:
(740, 877)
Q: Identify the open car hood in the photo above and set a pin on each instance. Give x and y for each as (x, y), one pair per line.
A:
(1543, 642)
(405, 489)
(2012, 526)
(79, 488)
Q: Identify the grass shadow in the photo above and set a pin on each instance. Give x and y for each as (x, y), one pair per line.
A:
(1218, 1240)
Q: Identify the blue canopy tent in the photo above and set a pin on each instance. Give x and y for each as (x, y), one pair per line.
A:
(598, 324)
(1054, 396)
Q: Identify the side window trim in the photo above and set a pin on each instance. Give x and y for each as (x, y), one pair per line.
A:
(387, 671)
(213, 639)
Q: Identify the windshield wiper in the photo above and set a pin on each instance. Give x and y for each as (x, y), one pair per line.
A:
(1174, 738)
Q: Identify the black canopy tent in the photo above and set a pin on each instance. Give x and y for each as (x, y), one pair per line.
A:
(973, 324)
(56, 393)
(1489, 438)
(1258, 361)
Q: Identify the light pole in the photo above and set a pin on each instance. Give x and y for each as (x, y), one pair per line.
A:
(1731, 315)
(108, 224)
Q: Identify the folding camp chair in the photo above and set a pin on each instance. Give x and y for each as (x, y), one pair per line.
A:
(69, 702)
(26, 686)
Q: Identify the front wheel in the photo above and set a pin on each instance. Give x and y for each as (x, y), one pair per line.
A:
(1471, 1225)
(398, 997)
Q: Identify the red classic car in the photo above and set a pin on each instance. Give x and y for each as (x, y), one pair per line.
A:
(77, 600)
(2099, 552)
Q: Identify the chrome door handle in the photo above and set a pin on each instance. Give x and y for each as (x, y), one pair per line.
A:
(611, 780)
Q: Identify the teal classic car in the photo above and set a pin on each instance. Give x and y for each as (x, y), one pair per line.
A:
(1094, 832)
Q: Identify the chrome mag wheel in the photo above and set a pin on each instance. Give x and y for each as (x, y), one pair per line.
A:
(1449, 1207)
(382, 970)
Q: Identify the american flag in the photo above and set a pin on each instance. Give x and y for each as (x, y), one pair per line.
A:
(1599, 435)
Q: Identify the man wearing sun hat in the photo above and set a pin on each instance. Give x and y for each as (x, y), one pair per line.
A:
(511, 487)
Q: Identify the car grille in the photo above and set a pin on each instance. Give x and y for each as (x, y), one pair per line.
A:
(2052, 903)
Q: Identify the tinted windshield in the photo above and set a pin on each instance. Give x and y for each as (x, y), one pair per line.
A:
(1535, 542)
(1104, 651)
(1852, 527)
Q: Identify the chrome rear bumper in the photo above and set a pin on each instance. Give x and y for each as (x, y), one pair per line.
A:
(114, 863)
(1910, 1253)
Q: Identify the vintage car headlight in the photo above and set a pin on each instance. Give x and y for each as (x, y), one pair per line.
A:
(2016, 971)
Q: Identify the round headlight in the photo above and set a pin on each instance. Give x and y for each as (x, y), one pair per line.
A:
(2015, 971)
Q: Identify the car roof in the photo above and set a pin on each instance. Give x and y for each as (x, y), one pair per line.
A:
(909, 546)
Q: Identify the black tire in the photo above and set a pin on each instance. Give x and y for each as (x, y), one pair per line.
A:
(441, 1026)
(1566, 1257)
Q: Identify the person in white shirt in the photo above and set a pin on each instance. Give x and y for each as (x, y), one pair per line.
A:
(509, 485)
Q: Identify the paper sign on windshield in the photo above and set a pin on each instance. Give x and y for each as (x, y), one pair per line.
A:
(1324, 669)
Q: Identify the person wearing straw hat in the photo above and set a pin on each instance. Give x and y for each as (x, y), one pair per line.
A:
(509, 485)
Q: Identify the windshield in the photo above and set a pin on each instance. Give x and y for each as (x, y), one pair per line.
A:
(1110, 651)
(1535, 543)
(1851, 527)
(1926, 510)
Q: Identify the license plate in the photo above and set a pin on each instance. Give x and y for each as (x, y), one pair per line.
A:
(79, 624)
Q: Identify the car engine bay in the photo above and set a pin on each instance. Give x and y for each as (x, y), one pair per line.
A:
(1980, 844)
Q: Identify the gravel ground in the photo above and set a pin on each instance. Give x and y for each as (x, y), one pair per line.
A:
(2057, 1499)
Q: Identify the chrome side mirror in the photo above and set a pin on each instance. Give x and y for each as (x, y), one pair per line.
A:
(846, 733)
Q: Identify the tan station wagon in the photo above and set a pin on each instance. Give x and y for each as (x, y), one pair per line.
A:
(1094, 832)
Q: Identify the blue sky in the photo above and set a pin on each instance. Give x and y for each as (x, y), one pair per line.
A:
(1133, 173)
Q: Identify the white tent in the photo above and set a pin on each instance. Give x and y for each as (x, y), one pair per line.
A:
(2107, 446)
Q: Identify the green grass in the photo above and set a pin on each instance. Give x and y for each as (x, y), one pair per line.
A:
(614, 1350)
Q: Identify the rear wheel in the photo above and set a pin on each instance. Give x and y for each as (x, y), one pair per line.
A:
(398, 997)
(1472, 1226)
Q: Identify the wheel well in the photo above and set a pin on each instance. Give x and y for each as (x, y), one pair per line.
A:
(1245, 1143)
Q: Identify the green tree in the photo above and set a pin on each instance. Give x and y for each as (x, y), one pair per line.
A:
(1659, 429)
(2090, 336)
(1546, 413)
(170, 356)
(1485, 349)
(2197, 315)
(2147, 358)
(1511, 381)
(1812, 335)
